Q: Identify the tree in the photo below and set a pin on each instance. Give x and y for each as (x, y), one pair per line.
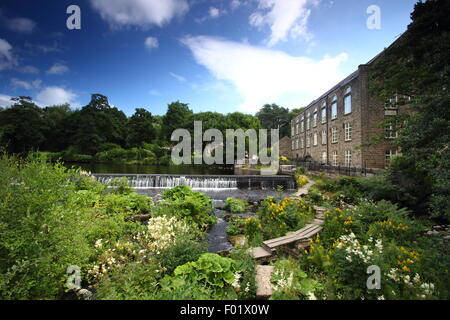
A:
(178, 116)
(140, 128)
(55, 130)
(95, 124)
(273, 116)
(418, 66)
(22, 126)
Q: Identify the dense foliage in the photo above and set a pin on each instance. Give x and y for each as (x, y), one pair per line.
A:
(99, 132)
(417, 66)
(235, 205)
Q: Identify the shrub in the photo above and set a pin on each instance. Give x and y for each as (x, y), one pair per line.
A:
(182, 252)
(136, 281)
(301, 180)
(283, 216)
(210, 277)
(236, 226)
(245, 263)
(184, 203)
(235, 205)
(291, 283)
(252, 229)
(315, 196)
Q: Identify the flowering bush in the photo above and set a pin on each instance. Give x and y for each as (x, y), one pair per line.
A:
(252, 229)
(301, 180)
(164, 232)
(283, 216)
(289, 282)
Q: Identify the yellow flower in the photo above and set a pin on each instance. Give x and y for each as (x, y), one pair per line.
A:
(405, 268)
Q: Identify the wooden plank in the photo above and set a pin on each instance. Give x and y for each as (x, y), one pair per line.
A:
(304, 233)
(259, 253)
(318, 222)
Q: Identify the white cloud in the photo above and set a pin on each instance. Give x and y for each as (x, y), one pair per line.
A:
(235, 4)
(214, 12)
(178, 77)
(58, 69)
(151, 43)
(262, 75)
(29, 69)
(28, 85)
(50, 96)
(154, 92)
(21, 25)
(5, 101)
(284, 18)
(141, 13)
(7, 58)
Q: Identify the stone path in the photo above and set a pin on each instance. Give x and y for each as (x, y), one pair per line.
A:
(305, 189)
(263, 285)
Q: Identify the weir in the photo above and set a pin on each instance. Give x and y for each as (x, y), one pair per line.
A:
(202, 182)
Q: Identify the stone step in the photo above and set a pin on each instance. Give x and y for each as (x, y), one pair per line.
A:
(263, 285)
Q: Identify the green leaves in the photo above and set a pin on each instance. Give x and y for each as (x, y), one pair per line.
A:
(235, 205)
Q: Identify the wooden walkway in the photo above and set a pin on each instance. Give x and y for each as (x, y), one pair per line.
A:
(302, 236)
(268, 248)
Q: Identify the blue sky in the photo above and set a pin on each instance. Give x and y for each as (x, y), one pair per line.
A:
(216, 55)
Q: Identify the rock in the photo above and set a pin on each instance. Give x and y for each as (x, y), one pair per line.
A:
(84, 294)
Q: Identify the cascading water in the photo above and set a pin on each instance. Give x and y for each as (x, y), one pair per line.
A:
(202, 182)
(167, 182)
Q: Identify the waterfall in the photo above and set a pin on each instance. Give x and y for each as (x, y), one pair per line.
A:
(167, 182)
(201, 182)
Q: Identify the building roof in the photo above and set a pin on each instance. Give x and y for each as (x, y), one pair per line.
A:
(349, 78)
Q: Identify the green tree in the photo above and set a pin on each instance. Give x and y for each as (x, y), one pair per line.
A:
(178, 116)
(418, 66)
(22, 126)
(95, 124)
(273, 116)
(141, 128)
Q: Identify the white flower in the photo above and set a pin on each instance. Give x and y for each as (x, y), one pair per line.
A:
(98, 243)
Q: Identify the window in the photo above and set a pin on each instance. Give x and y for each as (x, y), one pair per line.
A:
(315, 119)
(324, 157)
(348, 131)
(335, 158)
(389, 155)
(296, 144)
(308, 141)
(293, 145)
(315, 138)
(348, 158)
(292, 131)
(324, 112)
(324, 137)
(302, 143)
(390, 133)
(334, 107)
(302, 126)
(334, 136)
(396, 100)
(308, 121)
(348, 101)
(296, 128)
